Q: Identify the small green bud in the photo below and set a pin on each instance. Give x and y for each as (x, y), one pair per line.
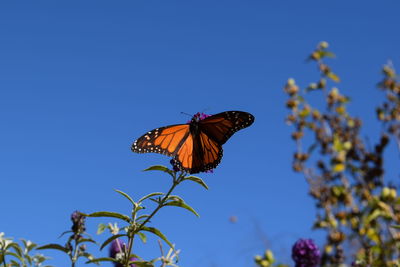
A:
(315, 55)
(388, 71)
(334, 92)
(393, 193)
(347, 145)
(313, 86)
(322, 83)
(351, 123)
(385, 192)
(258, 258)
(291, 82)
(269, 256)
(323, 45)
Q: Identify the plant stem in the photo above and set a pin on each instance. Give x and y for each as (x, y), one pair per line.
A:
(4, 258)
(74, 257)
(175, 182)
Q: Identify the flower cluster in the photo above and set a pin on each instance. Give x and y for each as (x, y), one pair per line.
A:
(117, 250)
(78, 224)
(305, 253)
(199, 116)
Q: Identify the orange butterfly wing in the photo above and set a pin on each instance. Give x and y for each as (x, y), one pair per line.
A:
(198, 153)
(165, 140)
(204, 146)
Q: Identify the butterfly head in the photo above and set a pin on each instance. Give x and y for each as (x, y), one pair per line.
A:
(194, 122)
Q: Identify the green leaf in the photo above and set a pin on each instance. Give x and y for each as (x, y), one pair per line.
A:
(14, 255)
(54, 246)
(372, 216)
(174, 198)
(16, 247)
(333, 77)
(14, 263)
(142, 237)
(66, 232)
(197, 180)
(150, 195)
(89, 257)
(39, 258)
(110, 239)
(134, 256)
(110, 214)
(300, 98)
(28, 258)
(101, 228)
(337, 144)
(180, 203)
(159, 168)
(395, 226)
(158, 233)
(328, 54)
(127, 196)
(29, 245)
(339, 167)
(102, 260)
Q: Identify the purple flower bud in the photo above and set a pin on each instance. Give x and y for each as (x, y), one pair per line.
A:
(78, 223)
(305, 253)
(119, 246)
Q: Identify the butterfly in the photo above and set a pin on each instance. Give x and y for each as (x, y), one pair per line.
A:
(197, 145)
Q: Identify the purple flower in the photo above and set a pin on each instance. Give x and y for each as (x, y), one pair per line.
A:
(199, 116)
(305, 253)
(118, 246)
(78, 223)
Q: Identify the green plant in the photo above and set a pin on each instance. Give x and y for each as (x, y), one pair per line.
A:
(355, 204)
(12, 254)
(136, 223)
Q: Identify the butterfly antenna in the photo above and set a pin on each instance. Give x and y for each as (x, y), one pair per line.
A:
(205, 110)
(186, 114)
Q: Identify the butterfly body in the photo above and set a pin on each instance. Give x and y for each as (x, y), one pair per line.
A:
(197, 145)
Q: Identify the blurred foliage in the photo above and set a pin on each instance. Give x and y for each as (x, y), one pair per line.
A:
(267, 260)
(12, 254)
(356, 206)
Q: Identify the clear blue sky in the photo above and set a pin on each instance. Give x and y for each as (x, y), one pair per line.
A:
(81, 80)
